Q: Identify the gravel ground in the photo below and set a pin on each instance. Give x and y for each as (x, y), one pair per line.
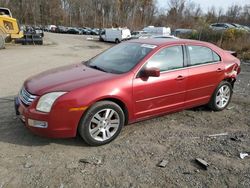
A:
(131, 160)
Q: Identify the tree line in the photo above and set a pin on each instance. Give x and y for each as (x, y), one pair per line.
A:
(134, 14)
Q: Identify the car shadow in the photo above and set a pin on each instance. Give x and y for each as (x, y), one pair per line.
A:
(13, 131)
(204, 108)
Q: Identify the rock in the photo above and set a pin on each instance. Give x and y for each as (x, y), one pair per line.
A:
(186, 173)
(83, 171)
(230, 107)
(243, 155)
(131, 185)
(27, 165)
(91, 161)
(98, 162)
(163, 163)
(202, 163)
(217, 135)
(29, 156)
(86, 161)
(216, 168)
(235, 138)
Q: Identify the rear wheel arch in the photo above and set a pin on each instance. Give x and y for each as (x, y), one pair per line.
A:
(230, 80)
(212, 104)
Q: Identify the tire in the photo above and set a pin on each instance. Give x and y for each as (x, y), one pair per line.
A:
(2, 40)
(94, 127)
(216, 102)
(8, 39)
(117, 41)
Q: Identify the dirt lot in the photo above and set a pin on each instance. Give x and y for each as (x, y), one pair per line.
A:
(27, 160)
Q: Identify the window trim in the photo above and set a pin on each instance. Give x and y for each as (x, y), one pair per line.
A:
(184, 54)
(213, 52)
(202, 64)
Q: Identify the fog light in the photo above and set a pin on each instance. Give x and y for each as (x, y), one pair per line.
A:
(38, 124)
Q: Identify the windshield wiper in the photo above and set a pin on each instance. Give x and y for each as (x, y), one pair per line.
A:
(97, 68)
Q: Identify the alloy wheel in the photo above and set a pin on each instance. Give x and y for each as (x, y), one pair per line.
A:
(104, 124)
(223, 96)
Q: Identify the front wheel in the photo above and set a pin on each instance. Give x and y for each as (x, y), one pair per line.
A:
(221, 97)
(102, 123)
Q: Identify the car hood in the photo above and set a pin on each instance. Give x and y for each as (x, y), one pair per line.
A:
(65, 78)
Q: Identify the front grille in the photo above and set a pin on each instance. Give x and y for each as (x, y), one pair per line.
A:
(26, 97)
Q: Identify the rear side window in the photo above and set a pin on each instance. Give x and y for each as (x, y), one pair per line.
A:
(167, 59)
(202, 55)
(216, 57)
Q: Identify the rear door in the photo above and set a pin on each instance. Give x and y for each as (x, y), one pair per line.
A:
(205, 71)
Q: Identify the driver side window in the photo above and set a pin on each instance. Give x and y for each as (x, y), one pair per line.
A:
(169, 58)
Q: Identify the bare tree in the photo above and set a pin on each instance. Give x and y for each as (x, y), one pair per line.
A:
(131, 13)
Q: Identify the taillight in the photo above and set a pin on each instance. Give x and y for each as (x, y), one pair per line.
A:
(237, 67)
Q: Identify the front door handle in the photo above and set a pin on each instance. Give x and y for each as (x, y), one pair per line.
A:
(180, 77)
(219, 70)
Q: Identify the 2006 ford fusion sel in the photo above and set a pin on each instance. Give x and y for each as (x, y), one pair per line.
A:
(129, 82)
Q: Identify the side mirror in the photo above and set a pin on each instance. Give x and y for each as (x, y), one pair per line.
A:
(151, 72)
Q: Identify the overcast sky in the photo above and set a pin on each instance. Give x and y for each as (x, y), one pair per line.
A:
(205, 4)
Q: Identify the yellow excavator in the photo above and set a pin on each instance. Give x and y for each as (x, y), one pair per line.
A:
(10, 30)
(9, 27)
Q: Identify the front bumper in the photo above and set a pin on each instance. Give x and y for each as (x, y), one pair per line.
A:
(60, 122)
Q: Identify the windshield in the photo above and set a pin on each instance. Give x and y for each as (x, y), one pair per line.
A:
(120, 58)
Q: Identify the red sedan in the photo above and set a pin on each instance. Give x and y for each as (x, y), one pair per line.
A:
(129, 82)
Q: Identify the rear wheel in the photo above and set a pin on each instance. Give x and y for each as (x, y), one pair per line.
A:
(102, 123)
(117, 41)
(221, 97)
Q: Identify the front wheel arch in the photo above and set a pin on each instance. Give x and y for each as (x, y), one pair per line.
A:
(119, 102)
(82, 129)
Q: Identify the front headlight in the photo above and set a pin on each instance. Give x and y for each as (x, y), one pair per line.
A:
(46, 101)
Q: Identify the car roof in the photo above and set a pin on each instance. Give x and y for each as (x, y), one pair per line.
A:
(169, 41)
(164, 37)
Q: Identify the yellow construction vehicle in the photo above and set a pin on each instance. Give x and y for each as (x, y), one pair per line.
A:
(9, 27)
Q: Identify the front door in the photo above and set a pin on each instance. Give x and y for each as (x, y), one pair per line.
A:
(157, 95)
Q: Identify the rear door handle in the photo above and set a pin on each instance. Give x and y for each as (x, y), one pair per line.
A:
(219, 70)
(180, 77)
